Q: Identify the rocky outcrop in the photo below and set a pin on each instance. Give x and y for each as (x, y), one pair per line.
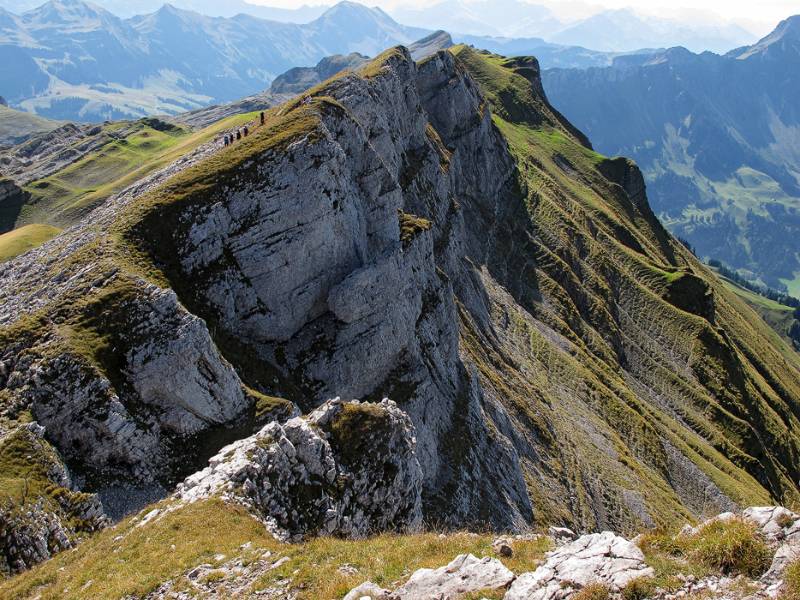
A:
(464, 575)
(164, 382)
(602, 558)
(346, 469)
(430, 45)
(364, 313)
(299, 79)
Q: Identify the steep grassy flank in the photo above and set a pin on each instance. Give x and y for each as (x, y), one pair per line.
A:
(13, 243)
(134, 151)
(661, 355)
(129, 560)
(16, 126)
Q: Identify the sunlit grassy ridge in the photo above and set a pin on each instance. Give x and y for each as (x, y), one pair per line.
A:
(133, 151)
(15, 242)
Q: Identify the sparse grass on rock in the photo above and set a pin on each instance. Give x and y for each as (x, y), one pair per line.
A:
(411, 226)
(791, 582)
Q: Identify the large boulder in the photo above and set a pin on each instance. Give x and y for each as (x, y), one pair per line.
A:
(465, 574)
(348, 468)
(603, 558)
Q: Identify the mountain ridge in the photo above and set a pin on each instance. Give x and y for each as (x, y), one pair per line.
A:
(111, 68)
(562, 358)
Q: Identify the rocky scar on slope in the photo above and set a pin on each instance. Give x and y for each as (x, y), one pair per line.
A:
(433, 233)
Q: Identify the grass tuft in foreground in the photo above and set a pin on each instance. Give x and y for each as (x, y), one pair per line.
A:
(593, 591)
(732, 547)
(791, 582)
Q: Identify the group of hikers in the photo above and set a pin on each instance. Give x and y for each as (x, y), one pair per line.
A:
(240, 133)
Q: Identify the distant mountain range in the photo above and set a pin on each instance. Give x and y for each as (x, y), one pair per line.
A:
(499, 18)
(718, 138)
(76, 61)
(211, 8)
(72, 60)
(622, 30)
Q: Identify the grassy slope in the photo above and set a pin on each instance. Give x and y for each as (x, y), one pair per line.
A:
(16, 125)
(128, 560)
(65, 196)
(707, 419)
(13, 243)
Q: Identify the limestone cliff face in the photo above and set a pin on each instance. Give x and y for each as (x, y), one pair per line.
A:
(434, 233)
(300, 259)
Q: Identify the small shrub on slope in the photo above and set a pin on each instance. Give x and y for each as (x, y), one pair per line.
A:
(593, 591)
(638, 589)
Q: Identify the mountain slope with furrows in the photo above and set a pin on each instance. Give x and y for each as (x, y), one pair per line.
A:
(434, 233)
(717, 138)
